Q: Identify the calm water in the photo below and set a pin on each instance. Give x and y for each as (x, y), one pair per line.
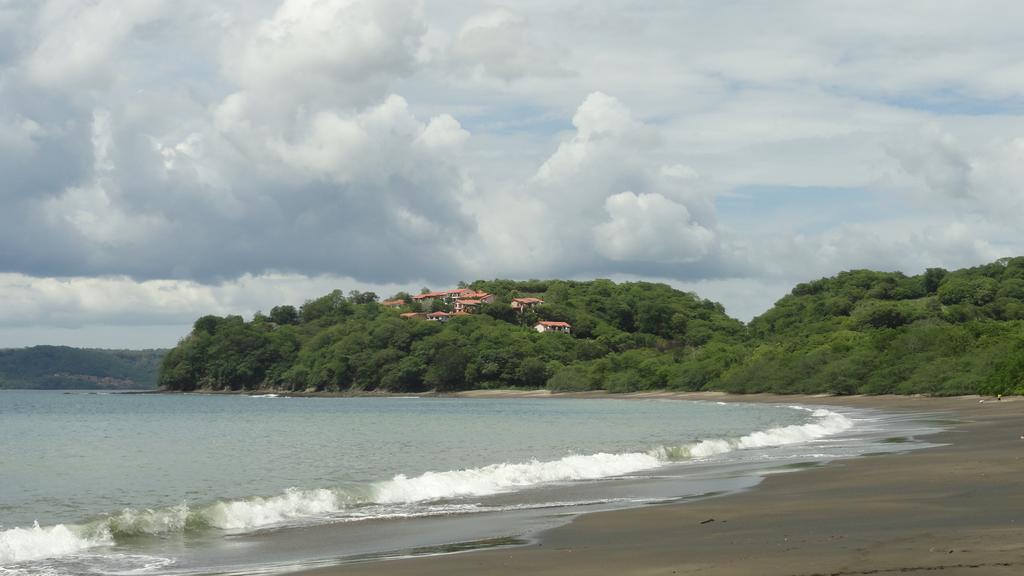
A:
(159, 484)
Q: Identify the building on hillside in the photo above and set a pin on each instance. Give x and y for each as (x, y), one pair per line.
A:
(447, 296)
(393, 303)
(427, 298)
(481, 296)
(546, 326)
(438, 316)
(467, 306)
(521, 304)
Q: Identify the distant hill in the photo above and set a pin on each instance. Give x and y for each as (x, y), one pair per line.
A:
(63, 367)
(859, 332)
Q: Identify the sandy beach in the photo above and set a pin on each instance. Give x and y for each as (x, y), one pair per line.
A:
(954, 509)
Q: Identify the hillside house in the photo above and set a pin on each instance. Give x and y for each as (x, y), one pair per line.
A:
(438, 316)
(483, 297)
(467, 306)
(413, 316)
(521, 304)
(451, 296)
(427, 298)
(460, 299)
(447, 296)
(393, 303)
(546, 326)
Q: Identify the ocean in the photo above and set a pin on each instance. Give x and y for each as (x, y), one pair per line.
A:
(137, 484)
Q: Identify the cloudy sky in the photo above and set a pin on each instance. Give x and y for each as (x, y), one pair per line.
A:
(163, 159)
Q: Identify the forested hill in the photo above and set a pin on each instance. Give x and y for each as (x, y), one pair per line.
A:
(941, 332)
(61, 367)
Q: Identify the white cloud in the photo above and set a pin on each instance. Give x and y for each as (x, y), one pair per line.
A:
(651, 228)
(443, 133)
(499, 44)
(909, 244)
(610, 192)
(117, 300)
(19, 135)
(91, 210)
(326, 52)
(985, 180)
(603, 127)
(78, 40)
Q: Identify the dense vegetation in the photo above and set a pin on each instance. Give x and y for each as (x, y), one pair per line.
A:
(61, 367)
(859, 332)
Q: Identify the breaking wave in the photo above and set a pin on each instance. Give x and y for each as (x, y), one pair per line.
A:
(382, 498)
(26, 544)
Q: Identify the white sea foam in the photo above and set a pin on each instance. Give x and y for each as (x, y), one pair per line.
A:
(826, 423)
(259, 512)
(498, 478)
(25, 544)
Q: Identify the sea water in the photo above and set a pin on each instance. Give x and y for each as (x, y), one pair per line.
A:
(94, 483)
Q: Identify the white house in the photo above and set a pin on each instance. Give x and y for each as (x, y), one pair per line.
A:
(546, 326)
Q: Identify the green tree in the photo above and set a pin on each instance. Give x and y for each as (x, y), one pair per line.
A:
(284, 315)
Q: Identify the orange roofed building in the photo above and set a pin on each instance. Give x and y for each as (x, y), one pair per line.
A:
(546, 326)
(483, 297)
(521, 304)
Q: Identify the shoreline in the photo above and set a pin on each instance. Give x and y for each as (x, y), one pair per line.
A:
(956, 508)
(882, 401)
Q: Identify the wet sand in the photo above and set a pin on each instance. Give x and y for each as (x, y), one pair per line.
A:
(954, 509)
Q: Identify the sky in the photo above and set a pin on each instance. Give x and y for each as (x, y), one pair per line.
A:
(166, 159)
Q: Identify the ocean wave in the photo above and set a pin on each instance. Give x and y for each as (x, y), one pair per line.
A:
(27, 544)
(259, 512)
(505, 477)
(382, 498)
(826, 423)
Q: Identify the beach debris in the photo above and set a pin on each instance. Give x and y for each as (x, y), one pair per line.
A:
(708, 521)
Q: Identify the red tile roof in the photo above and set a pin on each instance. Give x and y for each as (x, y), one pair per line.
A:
(466, 302)
(393, 302)
(441, 293)
(528, 300)
(428, 295)
(438, 314)
(555, 324)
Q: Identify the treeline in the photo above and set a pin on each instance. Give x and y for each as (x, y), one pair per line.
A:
(939, 333)
(62, 367)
